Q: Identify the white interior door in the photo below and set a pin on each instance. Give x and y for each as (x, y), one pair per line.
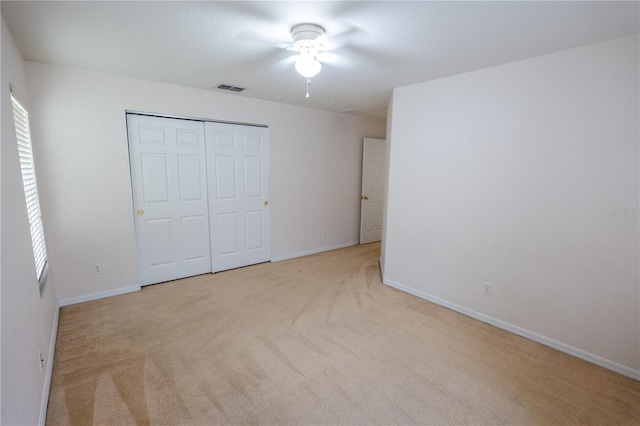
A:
(169, 197)
(374, 179)
(238, 176)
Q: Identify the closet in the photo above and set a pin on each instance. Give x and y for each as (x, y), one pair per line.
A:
(200, 195)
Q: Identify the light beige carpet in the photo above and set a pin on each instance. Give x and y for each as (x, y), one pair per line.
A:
(313, 340)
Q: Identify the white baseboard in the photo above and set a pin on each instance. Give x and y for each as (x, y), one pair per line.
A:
(99, 295)
(314, 251)
(47, 378)
(562, 347)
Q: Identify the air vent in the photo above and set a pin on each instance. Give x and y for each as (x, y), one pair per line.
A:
(230, 87)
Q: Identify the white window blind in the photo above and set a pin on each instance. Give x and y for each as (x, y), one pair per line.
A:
(21, 120)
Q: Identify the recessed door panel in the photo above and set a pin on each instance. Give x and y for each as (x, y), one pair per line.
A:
(371, 173)
(380, 180)
(371, 218)
(160, 242)
(252, 141)
(224, 139)
(190, 177)
(378, 221)
(253, 176)
(253, 234)
(151, 135)
(194, 238)
(191, 137)
(228, 233)
(155, 179)
(226, 177)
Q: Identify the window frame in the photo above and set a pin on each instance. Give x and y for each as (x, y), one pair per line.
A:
(30, 186)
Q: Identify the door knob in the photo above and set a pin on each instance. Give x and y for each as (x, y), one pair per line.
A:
(364, 197)
(266, 203)
(140, 212)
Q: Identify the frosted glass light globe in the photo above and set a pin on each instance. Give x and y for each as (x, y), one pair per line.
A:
(307, 65)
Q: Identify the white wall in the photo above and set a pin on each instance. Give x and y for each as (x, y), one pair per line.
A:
(315, 169)
(28, 320)
(509, 175)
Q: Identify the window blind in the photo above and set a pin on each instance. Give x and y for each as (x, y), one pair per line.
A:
(25, 151)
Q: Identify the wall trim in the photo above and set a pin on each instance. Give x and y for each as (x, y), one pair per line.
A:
(99, 295)
(539, 338)
(314, 251)
(44, 403)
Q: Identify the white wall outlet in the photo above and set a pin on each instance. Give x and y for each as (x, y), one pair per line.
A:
(324, 232)
(97, 268)
(486, 288)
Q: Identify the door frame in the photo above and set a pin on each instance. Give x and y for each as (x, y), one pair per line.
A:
(364, 194)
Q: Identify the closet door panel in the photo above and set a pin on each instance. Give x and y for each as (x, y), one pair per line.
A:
(171, 213)
(238, 174)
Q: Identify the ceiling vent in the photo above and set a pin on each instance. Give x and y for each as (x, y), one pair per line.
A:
(223, 86)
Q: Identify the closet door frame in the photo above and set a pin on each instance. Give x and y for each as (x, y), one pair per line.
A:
(160, 265)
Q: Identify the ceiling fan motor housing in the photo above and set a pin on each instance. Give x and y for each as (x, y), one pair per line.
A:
(305, 35)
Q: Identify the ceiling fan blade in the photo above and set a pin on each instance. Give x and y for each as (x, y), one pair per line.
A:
(363, 55)
(285, 62)
(332, 59)
(273, 40)
(348, 35)
(271, 60)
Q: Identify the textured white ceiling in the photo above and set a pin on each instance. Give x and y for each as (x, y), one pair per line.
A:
(376, 46)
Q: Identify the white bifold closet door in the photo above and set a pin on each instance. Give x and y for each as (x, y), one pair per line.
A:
(238, 175)
(169, 185)
(200, 196)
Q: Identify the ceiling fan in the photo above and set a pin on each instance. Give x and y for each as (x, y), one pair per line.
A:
(308, 41)
(339, 45)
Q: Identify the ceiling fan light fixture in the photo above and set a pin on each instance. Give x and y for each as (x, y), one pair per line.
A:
(308, 41)
(307, 65)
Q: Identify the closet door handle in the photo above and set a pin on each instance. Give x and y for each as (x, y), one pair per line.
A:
(140, 212)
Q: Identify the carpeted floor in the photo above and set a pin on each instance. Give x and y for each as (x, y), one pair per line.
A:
(313, 340)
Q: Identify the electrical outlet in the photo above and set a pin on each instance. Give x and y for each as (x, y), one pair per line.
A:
(324, 232)
(97, 269)
(486, 289)
(41, 358)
